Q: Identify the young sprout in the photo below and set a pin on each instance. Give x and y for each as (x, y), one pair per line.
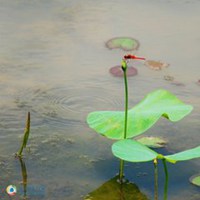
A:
(26, 136)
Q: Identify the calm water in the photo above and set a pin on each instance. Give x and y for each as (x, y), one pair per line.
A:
(54, 63)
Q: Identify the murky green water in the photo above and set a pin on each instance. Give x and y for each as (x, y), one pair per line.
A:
(54, 63)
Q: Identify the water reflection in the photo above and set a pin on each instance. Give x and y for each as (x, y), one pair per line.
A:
(113, 190)
(29, 191)
(24, 177)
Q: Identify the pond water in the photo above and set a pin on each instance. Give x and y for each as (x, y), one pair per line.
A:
(54, 63)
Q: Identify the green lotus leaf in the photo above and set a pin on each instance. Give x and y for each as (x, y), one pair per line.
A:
(195, 180)
(133, 151)
(141, 117)
(185, 155)
(152, 142)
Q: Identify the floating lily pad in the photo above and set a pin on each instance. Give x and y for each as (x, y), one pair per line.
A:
(113, 190)
(153, 142)
(125, 43)
(156, 65)
(195, 180)
(117, 71)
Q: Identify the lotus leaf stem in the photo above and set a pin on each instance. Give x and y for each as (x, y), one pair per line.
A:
(124, 68)
(166, 179)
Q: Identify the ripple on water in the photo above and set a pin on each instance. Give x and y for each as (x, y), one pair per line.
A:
(68, 106)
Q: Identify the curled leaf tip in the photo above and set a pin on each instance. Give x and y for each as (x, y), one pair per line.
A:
(129, 56)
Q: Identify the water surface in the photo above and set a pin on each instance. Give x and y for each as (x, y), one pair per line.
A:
(54, 63)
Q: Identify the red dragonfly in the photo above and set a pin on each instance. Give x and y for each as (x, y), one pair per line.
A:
(129, 56)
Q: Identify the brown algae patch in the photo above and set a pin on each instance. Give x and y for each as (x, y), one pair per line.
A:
(156, 65)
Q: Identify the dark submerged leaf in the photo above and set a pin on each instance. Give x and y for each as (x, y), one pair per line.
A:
(117, 71)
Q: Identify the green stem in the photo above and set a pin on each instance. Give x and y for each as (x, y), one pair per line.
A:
(124, 68)
(155, 179)
(126, 103)
(166, 179)
(20, 151)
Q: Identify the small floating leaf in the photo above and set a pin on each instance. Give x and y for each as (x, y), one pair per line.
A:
(117, 71)
(156, 65)
(113, 190)
(133, 151)
(195, 180)
(152, 142)
(141, 117)
(125, 43)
